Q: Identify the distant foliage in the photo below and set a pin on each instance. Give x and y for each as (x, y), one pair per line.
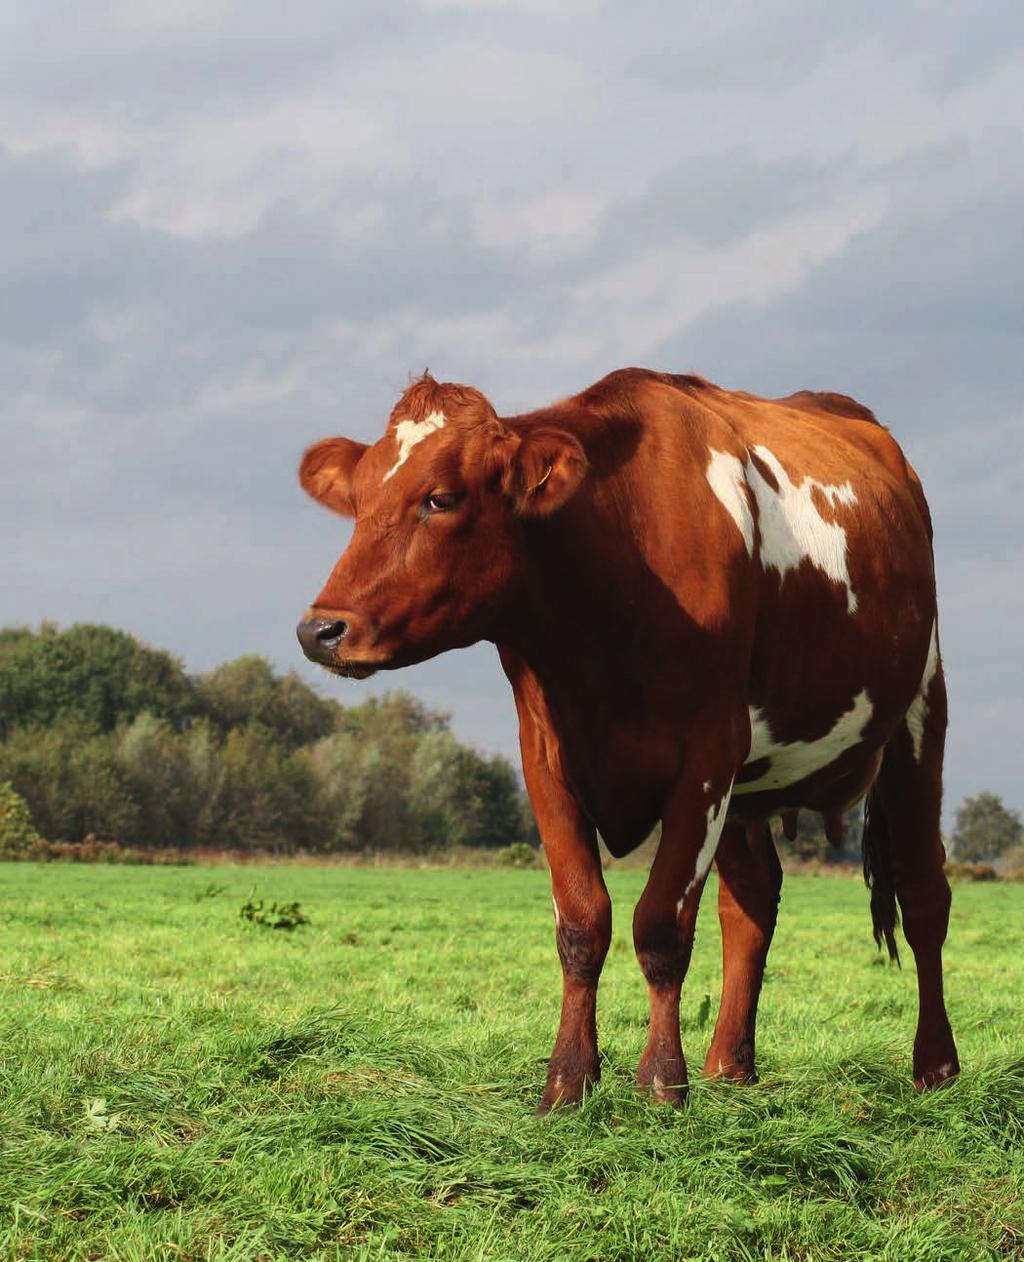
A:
(18, 836)
(519, 855)
(985, 829)
(239, 757)
(89, 677)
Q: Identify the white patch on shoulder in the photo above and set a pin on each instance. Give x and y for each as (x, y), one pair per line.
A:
(794, 761)
(409, 433)
(792, 528)
(715, 824)
(918, 711)
(725, 475)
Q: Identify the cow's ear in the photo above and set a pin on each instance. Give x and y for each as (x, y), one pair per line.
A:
(544, 471)
(326, 472)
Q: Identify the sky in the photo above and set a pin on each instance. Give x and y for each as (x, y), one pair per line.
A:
(230, 229)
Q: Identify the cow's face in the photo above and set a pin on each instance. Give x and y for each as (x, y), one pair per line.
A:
(437, 553)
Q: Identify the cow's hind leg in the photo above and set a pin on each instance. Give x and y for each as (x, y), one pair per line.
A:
(749, 883)
(903, 825)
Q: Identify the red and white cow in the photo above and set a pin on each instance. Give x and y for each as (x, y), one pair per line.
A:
(713, 608)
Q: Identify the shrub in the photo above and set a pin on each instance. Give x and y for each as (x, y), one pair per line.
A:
(971, 871)
(519, 855)
(18, 837)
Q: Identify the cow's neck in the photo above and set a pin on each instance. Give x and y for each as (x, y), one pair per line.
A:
(590, 607)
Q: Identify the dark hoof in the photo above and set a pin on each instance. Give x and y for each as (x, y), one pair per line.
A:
(729, 1071)
(566, 1088)
(926, 1079)
(665, 1080)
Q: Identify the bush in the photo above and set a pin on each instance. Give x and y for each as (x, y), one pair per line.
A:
(971, 871)
(519, 855)
(18, 837)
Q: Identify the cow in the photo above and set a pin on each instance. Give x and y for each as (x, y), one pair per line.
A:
(713, 609)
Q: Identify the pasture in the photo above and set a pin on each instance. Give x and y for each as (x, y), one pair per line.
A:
(177, 1083)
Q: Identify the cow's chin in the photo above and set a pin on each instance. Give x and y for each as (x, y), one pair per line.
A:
(351, 670)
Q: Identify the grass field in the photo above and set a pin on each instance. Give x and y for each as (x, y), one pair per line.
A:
(178, 1084)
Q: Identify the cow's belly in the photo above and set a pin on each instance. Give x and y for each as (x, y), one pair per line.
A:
(774, 765)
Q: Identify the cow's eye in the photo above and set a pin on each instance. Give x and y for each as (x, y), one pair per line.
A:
(441, 501)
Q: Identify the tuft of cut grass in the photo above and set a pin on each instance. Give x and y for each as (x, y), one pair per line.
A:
(174, 1085)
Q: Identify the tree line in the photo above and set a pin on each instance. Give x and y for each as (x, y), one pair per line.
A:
(102, 734)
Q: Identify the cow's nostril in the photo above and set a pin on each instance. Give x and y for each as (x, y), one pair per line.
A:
(332, 632)
(320, 636)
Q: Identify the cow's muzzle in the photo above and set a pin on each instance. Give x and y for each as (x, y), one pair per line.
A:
(337, 641)
(320, 638)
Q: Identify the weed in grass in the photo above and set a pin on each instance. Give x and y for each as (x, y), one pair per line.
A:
(274, 915)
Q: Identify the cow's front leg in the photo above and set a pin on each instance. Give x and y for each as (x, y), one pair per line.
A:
(583, 930)
(664, 921)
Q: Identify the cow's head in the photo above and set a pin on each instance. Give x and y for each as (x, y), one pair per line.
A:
(439, 503)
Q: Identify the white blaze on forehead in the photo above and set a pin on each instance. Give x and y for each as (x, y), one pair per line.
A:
(712, 834)
(792, 528)
(795, 760)
(409, 433)
(726, 476)
(918, 711)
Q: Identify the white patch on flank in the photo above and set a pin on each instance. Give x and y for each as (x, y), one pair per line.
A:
(798, 759)
(918, 711)
(715, 824)
(792, 528)
(558, 916)
(707, 786)
(725, 474)
(409, 433)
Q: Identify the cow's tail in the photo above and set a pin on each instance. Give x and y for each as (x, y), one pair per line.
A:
(878, 873)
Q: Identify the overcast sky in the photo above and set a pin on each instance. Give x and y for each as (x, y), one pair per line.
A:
(228, 229)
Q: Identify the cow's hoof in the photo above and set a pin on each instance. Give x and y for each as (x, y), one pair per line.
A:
(926, 1079)
(665, 1080)
(728, 1070)
(566, 1088)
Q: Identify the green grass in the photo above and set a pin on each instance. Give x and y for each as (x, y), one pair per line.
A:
(178, 1083)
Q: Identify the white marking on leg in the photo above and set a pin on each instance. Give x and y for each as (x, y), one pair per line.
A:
(558, 917)
(409, 433)
(792, 528)
(725, 474)
(796, 760)
(918, 711)
(712, 834)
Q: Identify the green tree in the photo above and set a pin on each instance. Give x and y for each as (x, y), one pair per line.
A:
(260, 795)
(985, 829)
(72, 781)
(89, 676)
(248, 691)
(461, 798)
(17, 832)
